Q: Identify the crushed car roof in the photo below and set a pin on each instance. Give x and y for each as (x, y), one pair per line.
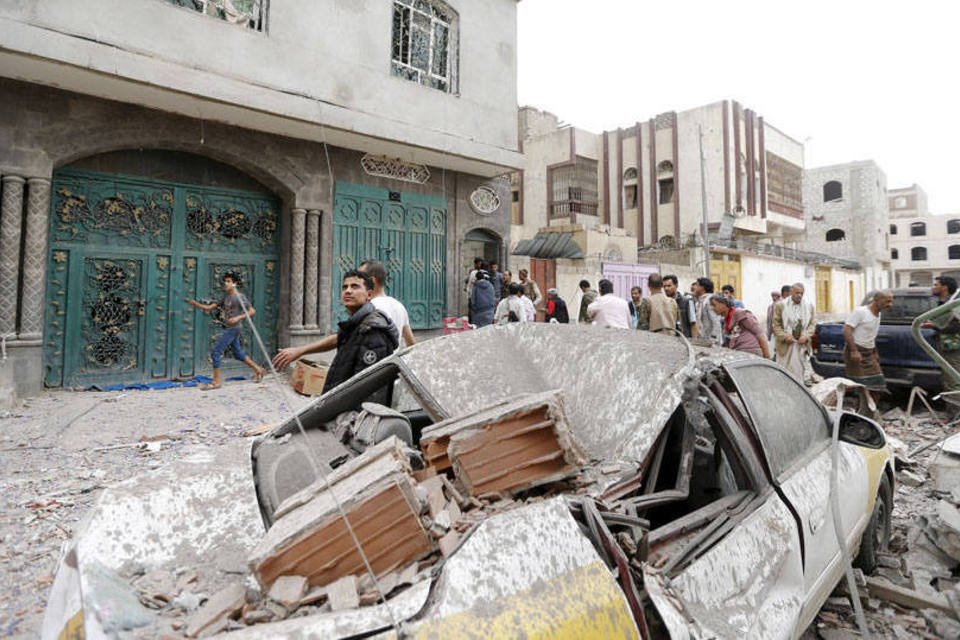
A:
(619, 386)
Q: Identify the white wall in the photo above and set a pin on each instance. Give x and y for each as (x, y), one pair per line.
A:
(317, 62)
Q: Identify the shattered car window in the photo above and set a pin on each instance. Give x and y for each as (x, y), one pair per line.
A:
(789, 421)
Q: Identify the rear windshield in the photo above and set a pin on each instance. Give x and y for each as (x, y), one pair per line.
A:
(905, 308)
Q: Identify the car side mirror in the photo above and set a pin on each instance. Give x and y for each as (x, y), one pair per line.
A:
(861, 431)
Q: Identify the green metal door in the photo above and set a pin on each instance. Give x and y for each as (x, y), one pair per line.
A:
(405, 231)
(125, 255)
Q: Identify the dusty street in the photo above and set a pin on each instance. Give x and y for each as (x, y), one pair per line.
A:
(58, 451)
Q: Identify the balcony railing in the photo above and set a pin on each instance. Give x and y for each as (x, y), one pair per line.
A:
(245, 13)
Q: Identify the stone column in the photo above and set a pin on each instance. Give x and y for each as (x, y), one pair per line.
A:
(312, 269)
(11, 212)
(35, 259)
(298, 230)
(327, 288)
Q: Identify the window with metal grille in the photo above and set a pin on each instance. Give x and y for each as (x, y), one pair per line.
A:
(953, 226)
(832, 191)
(953, 252)
(894, 254)
(245, 13)
(893, 229)
(573, 188)
(630, 188)
(425, 43)
(918, 254)
(918, 229)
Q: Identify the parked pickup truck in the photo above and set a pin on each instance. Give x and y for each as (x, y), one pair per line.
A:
(904, 362)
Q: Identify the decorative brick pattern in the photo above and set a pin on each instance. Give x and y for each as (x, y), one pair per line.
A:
(297, 250)
(312, 269)
(34, 259)
(11, 211)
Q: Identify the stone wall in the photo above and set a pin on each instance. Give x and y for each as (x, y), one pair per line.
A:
(44, 129)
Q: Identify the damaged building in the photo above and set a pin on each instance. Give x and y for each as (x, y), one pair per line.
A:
(149, 147)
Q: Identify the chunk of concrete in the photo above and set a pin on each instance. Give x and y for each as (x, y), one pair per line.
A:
(288, 590)
(944, 470)
(217, 610)
(342, 594)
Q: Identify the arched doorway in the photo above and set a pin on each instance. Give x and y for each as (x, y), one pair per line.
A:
(480, 243)
(132, 236)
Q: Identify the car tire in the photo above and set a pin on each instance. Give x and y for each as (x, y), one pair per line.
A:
(876, 537)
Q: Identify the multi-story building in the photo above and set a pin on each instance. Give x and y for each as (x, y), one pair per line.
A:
(149, 146)
(922, 245)
(647, 186)
(847, 216)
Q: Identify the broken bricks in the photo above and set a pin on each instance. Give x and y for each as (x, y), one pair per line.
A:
(376, 493)
(508, 448)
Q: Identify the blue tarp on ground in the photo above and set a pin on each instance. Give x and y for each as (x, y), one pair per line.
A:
(160, 384)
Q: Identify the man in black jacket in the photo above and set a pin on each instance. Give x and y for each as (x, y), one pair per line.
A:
(364, 338)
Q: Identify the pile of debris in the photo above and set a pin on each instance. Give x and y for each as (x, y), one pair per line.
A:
(404, 520)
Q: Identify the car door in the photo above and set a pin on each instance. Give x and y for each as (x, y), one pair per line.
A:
(794, 431)
(733, 568)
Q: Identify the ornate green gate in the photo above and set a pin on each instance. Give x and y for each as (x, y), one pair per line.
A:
(126, 254)
(405, 231)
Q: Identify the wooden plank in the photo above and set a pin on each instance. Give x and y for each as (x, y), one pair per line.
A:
(880, 588)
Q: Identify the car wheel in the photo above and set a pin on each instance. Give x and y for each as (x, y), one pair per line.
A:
(876, 537)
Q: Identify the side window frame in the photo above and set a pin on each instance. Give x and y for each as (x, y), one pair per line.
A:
(778, 476)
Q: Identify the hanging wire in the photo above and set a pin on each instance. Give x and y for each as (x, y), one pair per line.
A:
(314, 459)
(319, 468)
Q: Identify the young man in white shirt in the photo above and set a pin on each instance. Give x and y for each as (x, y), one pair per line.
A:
(860, 331)
(609, 310)
(390, 306)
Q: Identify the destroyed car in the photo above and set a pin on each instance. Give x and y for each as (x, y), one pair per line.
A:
(530, 480)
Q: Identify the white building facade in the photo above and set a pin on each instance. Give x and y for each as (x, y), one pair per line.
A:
(922, 245)
(645, 186)
(150, 146)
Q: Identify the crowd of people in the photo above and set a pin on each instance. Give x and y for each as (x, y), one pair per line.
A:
(378, 322)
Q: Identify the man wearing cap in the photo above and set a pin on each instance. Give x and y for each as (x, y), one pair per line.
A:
(556, 308)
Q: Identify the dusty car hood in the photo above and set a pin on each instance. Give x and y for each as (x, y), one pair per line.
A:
(620, 386)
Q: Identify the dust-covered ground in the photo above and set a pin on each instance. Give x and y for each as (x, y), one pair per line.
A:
(58, 451)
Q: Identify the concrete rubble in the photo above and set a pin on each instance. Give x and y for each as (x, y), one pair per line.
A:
(405, 520)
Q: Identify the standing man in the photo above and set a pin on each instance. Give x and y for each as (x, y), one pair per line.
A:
(639, 309)
(587, 298)
(388, 305)
(510, 308)
(686, 305)
(664, 314)
(710, 326)
(496, 279)
(471, 278)
(529, 311)
(531, 288)
(728, 292)
(948, 334)
(556, 307)
(609, 310)
(482, 300)
(860, 355)
(507, 281)
(793, 329)
(775, 297)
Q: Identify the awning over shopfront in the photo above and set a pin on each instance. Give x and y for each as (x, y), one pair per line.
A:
(549, 246)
